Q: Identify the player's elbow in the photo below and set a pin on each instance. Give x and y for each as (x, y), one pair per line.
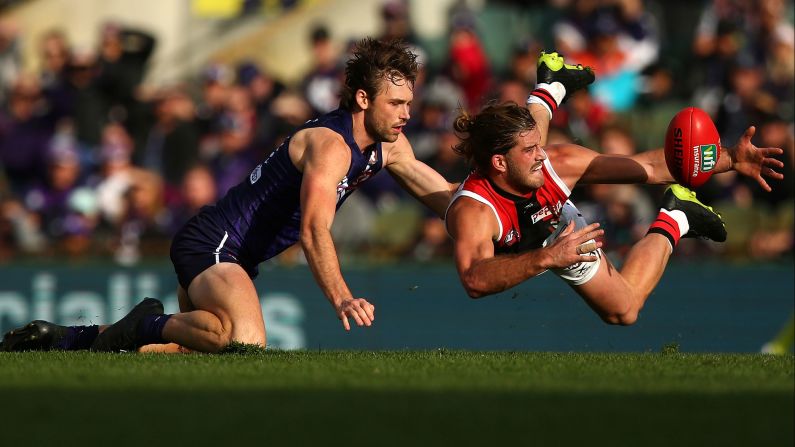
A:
(308, 236)
(474, 286)
(474, 293)
(620, 318)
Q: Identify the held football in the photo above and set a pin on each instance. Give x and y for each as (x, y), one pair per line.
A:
(692, 147)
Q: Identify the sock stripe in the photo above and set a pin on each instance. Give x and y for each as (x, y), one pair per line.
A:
(670, 226)
(545, 96)
(667, 226)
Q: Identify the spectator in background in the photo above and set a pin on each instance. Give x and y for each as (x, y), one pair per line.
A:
(570, 30)
(10, 58)
(616, 62)
(263, 90)
(745, 101)
(776, 131)
(624, 211)
(617, 38)
(215, 81)
(773, 237)
(290, 110)
(123, 57)
(321, 85)
(433, 241)
(115, 174)
(777, 43)
(83, 102)
(55, 54)
(522, 66)
(172, 143)
(714, 64)
(56, 57)
(235, 153)
(198, 189)
(144, 229)
(396, 22)
(8, 250)
(660, 99)
(65, 210)
(19, 230)
(716, 15)
(467, 63)
(512, 90)
(621, 32)
(584, 116)
(25, 131)
(432, 119)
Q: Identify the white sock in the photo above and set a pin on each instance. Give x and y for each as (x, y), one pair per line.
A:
(545, 93)
(556, 89)
(680, 218)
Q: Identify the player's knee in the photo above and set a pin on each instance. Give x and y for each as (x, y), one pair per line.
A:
(220, 339)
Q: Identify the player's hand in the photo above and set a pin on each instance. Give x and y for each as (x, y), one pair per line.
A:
(567, 249)
(756, 162)
(362, 312)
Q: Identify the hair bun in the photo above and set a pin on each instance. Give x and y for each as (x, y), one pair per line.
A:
(463, 123)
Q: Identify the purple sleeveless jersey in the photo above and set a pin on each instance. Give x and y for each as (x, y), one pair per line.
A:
(260, 217)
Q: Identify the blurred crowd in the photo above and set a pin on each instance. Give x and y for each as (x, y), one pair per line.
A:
(96, 163)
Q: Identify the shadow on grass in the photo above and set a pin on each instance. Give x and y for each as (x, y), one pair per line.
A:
(377, 418)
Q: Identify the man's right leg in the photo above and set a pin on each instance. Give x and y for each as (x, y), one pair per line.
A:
(227, 309)
(618, 296)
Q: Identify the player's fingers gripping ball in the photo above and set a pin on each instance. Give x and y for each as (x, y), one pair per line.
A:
(692, 147)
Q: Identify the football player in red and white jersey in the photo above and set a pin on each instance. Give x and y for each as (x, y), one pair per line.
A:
(512, 219)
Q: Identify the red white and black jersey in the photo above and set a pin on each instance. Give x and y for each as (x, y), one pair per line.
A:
(526, 222)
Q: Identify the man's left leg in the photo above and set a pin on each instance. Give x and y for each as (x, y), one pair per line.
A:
(556, 81)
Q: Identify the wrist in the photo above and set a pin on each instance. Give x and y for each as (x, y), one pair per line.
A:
(730, 154)
(338, 302)
(542, 259)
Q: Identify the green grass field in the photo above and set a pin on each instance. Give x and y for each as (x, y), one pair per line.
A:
(396, 398)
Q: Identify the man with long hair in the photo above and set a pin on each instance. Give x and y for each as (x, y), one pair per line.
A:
(512, 218)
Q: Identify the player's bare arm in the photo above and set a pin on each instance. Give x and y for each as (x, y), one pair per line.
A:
(576, 164)
(419, 179)
(474, 228)
(324, 160)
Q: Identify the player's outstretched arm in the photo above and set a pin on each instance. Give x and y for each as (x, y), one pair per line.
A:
(419, 179)
(324, 163)
(473, 228)
(751, 161)
(576, 164)
(650, 167)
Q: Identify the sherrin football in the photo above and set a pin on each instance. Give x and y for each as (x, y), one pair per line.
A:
(692, 147)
